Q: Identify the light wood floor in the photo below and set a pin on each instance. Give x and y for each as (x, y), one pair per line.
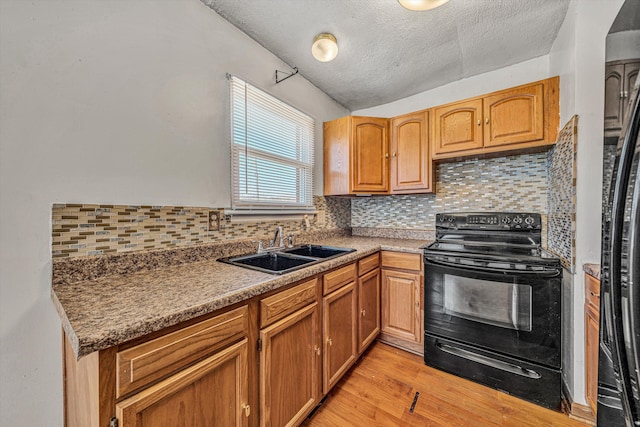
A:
(379, 391)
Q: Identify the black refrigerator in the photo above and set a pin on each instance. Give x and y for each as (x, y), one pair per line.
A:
(619, 357)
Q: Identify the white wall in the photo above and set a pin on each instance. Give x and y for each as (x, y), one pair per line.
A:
(578, 56)
(514, 75)
(623, 45)
(562, 63)
(107, 102)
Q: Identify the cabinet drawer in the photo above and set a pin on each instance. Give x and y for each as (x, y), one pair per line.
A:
(402, 260)
(150, 361)
(592, 291)
(367, 264)
(286, 302)
(336, 278)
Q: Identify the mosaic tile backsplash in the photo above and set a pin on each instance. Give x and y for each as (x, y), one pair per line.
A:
(514, 183)
(90, 229)
(562, 195)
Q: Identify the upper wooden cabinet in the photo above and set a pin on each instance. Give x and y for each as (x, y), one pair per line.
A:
(361, 158)
(458, 126)
(367, 155)
(618, 82)
(411, 169)
(520, 118)
(514, 116)
(370, 154)
(356, 155)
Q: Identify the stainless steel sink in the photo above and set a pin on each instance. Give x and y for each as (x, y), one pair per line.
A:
(283, 261)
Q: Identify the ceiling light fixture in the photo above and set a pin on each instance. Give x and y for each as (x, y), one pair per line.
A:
(420, 5)
(325, 47)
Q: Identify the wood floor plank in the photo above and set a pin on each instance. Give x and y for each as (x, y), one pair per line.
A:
(379, 390)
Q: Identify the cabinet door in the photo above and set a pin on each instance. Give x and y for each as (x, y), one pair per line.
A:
(514, 116)
(289, 368)
(370, 155)
(340, 333)
(458, 127)
(591, 330)
(410, 160)
(368, 308)
(401, 305)
(613, 97)
(210, 393)
(630, 75)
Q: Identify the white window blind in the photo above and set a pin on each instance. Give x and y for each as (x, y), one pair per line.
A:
(271, 151)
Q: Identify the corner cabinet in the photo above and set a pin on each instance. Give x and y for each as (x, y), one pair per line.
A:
(521, 118)
(197, 375)
(210, 393)
(592, 329)
(356, 156)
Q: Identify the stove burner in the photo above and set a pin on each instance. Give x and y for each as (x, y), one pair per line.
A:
(510, 240)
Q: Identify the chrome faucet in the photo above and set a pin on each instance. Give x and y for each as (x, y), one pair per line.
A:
(275, 238)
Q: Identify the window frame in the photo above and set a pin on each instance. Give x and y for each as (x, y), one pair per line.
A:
(250, 105)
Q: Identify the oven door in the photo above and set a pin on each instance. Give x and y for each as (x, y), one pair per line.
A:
(514, 311)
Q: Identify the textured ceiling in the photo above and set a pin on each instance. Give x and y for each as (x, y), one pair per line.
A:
(387, 52)
(628, 18)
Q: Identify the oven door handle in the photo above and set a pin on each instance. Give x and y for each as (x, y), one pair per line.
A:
(545, 272)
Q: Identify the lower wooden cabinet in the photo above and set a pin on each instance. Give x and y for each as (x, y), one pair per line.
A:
(265, 362)
(368, 308)
(402, 301)
(592, 329)
(290, 362)
(211, 393)
(340, 333)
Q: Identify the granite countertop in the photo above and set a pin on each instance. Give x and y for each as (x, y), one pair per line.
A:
(100, 313)
(592, 270)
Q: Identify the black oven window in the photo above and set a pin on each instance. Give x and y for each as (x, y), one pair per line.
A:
(507, 305)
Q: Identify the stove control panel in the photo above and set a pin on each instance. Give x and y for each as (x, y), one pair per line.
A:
(489, 221)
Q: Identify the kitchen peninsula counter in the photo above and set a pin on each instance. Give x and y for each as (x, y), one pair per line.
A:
(120, 305)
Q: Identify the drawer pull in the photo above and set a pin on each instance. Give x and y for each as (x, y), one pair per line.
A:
(329, 341)
(317, 350)
(247, 409)
(364, 313)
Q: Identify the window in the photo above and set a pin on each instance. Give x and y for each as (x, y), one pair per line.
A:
(271, 151)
